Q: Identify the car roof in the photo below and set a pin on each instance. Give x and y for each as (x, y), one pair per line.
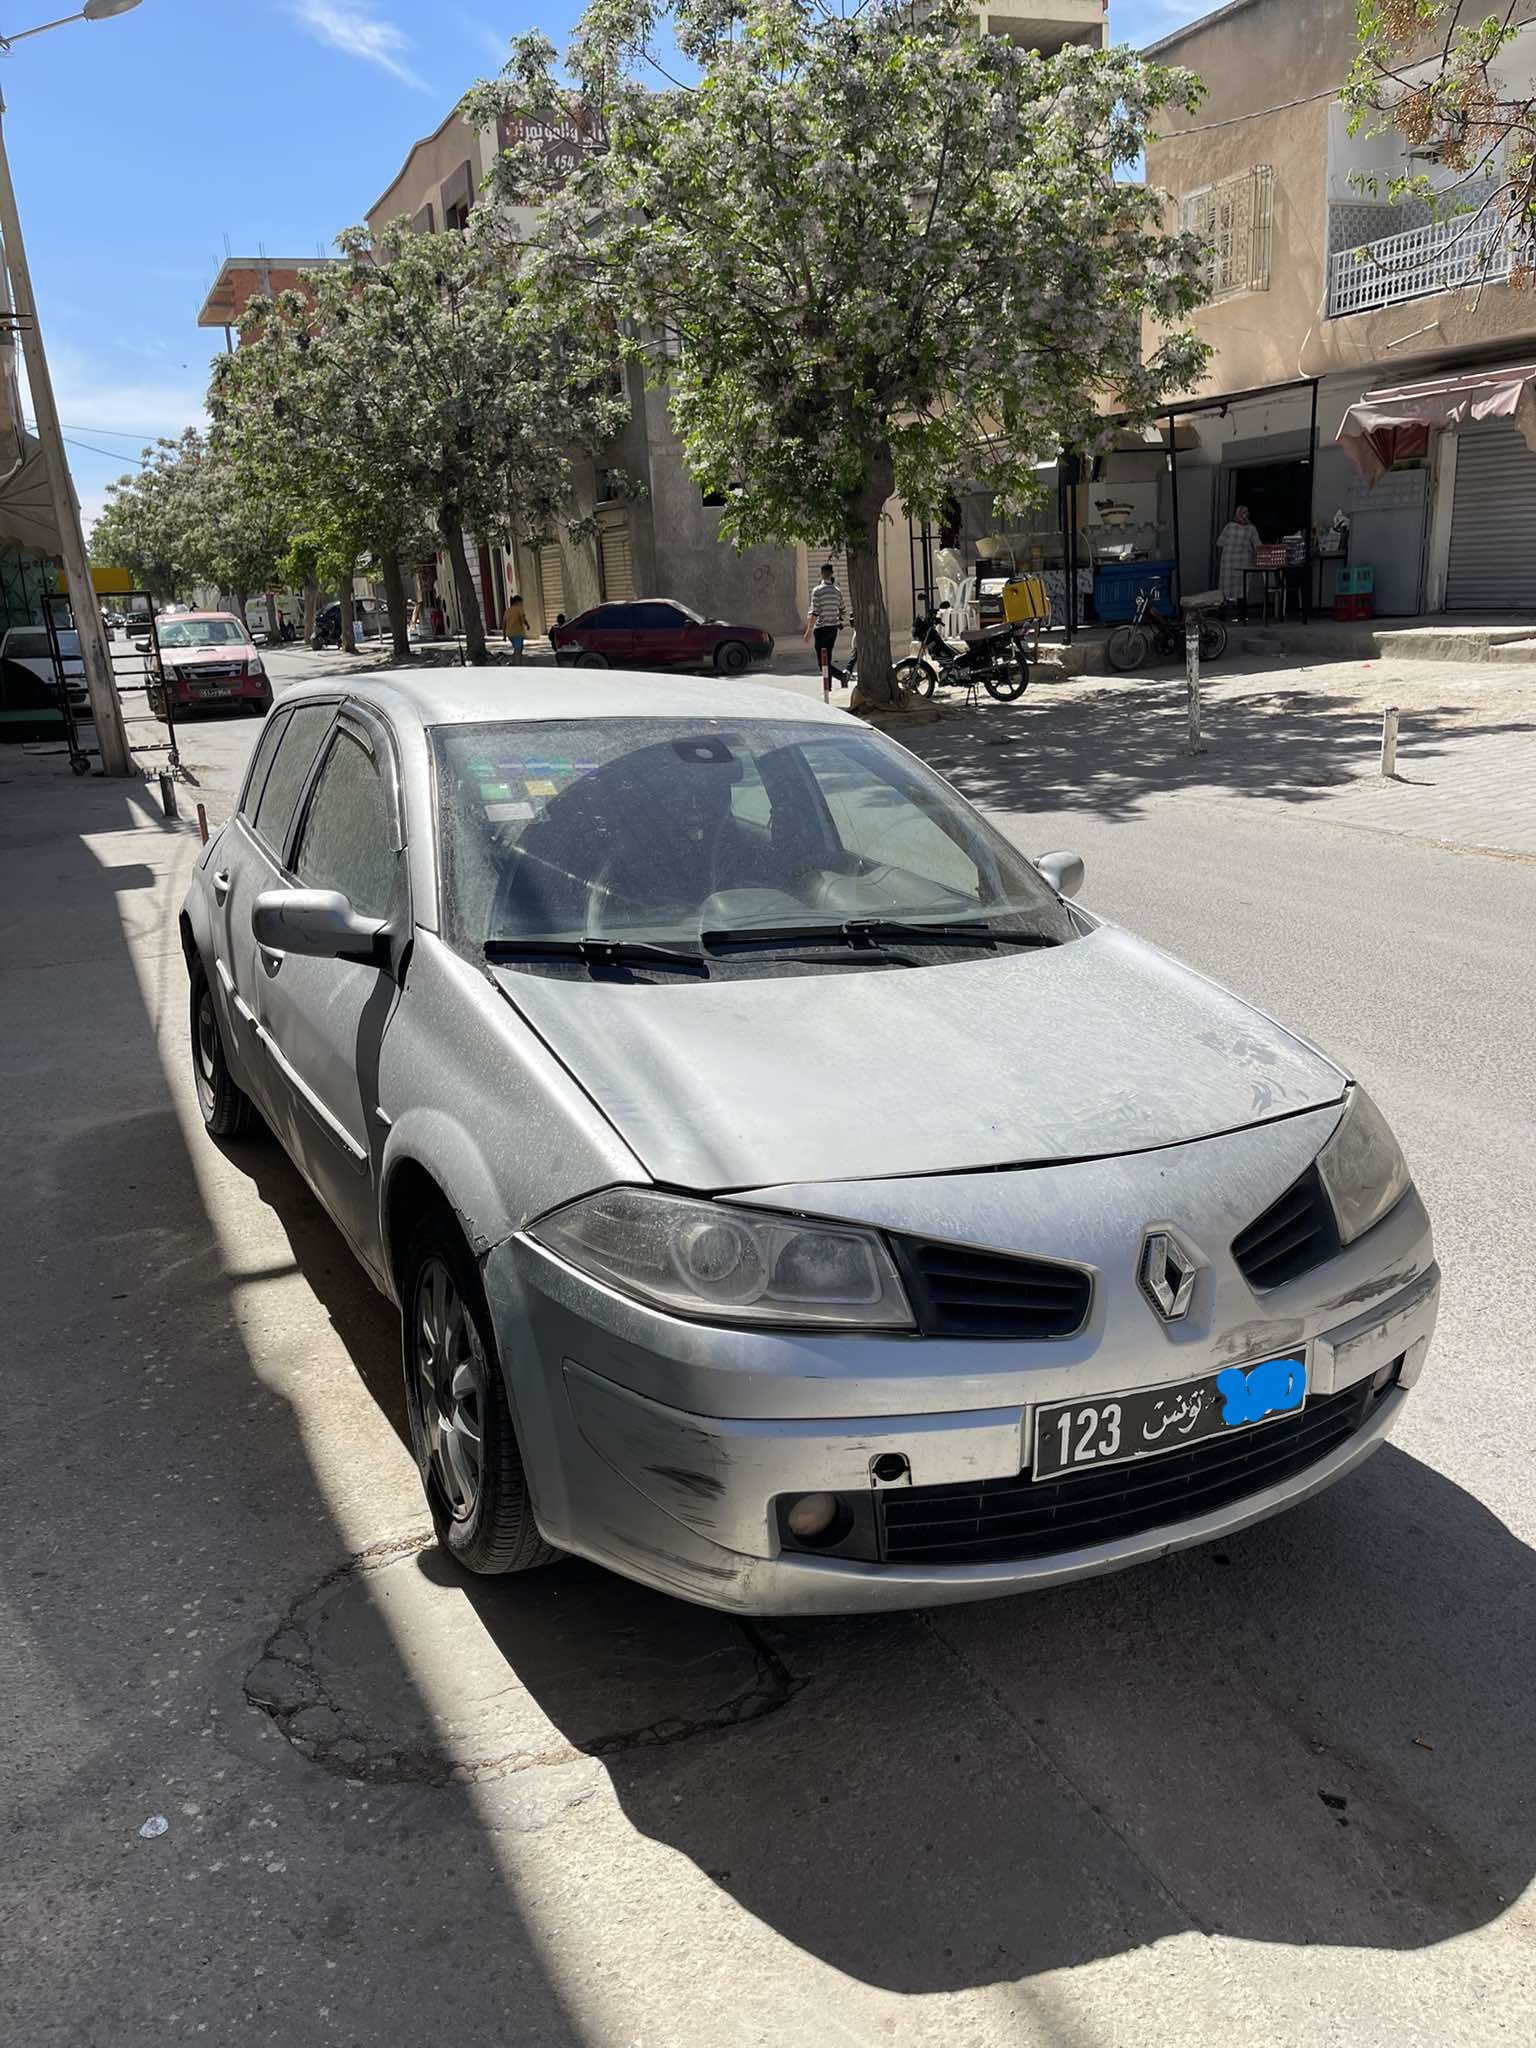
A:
(471, 696)
(191, 618)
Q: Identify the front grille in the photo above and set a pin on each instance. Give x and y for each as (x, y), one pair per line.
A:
(959, 1292)
(1292, 1236)
(1001, 1520)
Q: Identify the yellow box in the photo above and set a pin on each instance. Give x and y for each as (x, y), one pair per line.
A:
(1025, 600)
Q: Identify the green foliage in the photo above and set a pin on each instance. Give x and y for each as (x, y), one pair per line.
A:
(414, 390)
(190, 516)
(885, 250)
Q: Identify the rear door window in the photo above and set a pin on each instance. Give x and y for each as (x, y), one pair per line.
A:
(348, 841)
(295, 756)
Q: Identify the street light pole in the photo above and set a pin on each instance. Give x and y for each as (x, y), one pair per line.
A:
(96, 655)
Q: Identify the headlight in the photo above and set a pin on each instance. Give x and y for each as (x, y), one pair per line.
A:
(1362, 1169)
(729, 1265)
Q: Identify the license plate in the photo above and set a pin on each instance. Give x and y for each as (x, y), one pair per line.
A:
(209, 690)
(1079, 1436)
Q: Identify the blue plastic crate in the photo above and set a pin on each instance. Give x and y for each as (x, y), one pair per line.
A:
(1357, 580)
(1118, 585)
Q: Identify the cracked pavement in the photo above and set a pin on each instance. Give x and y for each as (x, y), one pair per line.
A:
(1275, 1795)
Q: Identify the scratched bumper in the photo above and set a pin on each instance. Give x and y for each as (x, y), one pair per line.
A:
(684, 1501)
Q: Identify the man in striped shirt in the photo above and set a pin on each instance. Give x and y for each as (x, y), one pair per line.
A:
(825, 617)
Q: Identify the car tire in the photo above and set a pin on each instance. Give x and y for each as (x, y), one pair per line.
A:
(731, 657)
(461, 1422)
(589, 659)
(227, 1111)
(258, 707)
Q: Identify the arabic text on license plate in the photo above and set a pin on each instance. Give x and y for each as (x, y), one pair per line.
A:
(1078, 1436)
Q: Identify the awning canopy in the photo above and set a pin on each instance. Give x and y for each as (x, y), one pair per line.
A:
(26, 499)
(1393, 425)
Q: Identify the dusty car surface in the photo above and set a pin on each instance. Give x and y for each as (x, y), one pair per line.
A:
(793, 1199)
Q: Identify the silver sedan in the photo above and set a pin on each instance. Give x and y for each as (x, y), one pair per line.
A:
(793, 1198)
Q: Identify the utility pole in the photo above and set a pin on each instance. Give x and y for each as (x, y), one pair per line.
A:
(100, 678)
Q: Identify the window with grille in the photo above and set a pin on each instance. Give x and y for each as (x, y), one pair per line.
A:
(1235, 221)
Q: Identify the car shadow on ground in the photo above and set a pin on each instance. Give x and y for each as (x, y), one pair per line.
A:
(1317, 1733)
(367, 1325)
(1113, 749)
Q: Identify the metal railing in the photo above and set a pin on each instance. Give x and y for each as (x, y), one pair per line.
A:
(1435, 258)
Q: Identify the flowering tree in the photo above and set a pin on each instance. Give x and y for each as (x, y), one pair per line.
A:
(866, 253)
(190, 516)
(415, 386)
(1429, 68)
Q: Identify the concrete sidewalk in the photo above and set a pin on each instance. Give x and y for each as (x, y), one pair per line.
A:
(1286, 738)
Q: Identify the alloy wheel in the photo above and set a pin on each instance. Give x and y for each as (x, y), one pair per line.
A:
(450, 1379)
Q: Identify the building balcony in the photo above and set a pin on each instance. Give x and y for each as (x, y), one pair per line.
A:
(1438, 256)
(1044, 25)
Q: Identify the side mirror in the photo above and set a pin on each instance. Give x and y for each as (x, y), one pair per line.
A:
(1064, 872)
(318, 924)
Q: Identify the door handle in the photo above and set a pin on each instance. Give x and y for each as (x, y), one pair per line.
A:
(221, 884)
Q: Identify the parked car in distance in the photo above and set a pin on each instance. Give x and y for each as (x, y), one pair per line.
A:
(658, 632)
(209, 660)
(29, 682)
(643, 1041)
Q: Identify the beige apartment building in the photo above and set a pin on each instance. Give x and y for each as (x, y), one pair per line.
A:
(1334, 310)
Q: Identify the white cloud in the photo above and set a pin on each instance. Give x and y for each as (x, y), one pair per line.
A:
(348, 26)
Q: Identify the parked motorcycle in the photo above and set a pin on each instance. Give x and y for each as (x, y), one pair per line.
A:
(996, 660)
(1157, 635)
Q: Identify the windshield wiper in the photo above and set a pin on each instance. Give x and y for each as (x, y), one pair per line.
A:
(872, 932)
(597, 953)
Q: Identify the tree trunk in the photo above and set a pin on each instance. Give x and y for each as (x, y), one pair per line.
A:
(348, 621)
(581, 574)
(311, 607)
(470, 615)
(876, 687)
(399, 615)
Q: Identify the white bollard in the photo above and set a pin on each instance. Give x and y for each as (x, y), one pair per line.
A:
(1389, 744)
(1193, 743)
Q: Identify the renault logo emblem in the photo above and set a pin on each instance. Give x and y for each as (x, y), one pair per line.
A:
(1167, 1275)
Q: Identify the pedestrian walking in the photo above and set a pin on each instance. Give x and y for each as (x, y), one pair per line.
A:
(1237, 544)
(515, 625)
(825, 619)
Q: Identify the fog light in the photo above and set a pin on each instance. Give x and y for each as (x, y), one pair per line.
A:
(812, 1515)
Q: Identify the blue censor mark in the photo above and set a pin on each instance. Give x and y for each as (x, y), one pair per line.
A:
(1273, 1388)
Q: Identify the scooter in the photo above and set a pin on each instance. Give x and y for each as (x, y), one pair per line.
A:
(996, 660)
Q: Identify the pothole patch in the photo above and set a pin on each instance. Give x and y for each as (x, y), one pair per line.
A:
(398, 1669)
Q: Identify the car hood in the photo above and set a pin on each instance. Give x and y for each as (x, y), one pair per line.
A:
(198, 657)
(1099, 1047)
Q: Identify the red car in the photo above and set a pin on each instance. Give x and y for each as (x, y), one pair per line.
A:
(658, 632)
(210, 659)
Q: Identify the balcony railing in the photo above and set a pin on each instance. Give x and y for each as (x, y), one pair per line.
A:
(1436, 258)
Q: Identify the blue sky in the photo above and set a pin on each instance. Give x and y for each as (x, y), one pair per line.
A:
(138, 144)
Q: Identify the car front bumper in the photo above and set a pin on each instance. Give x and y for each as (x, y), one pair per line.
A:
(686, 1501)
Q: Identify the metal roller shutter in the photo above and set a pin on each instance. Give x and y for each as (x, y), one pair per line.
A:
(1493, 523)
(551, 584)
(617, 562)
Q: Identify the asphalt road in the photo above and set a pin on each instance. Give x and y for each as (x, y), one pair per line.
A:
(1277, 1793)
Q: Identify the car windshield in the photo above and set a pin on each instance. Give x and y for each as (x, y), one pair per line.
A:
(29, 646)
(200, 633)
(664, 829)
